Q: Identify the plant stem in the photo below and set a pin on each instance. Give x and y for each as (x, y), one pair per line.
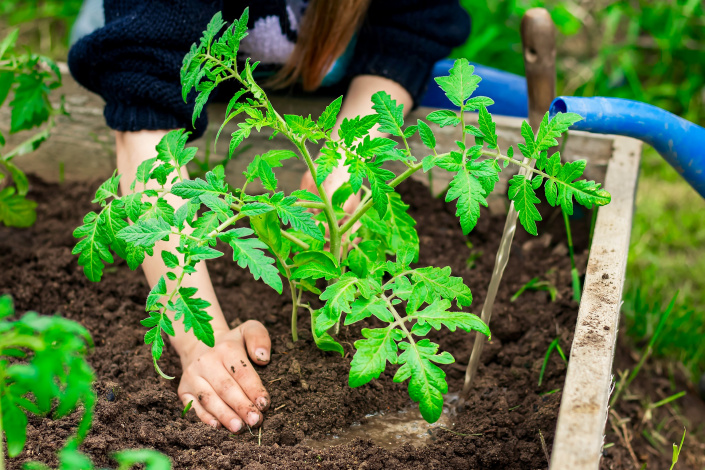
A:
(362, 208)
(294, 308)
(335, 233)
(573, 269)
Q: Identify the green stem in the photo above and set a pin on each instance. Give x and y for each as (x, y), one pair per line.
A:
(294, 308)
(334, 229)
(362, 208)
(573, 269)
(303, 245)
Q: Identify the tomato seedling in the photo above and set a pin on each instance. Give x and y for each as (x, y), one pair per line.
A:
(286, 241)
(29, 78)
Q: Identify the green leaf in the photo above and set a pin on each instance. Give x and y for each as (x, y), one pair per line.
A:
(16, 210)
(339, 295)
(470, 195)
(396, 229)
(461, 83)
(372, 355)
(391, 116)
(323, 340)
(487, 127)
(145, 232)
(298, 217)
(306, 195)
(315, 265)
(549, 131)
(151, 459)
(473, 104)
(274, 158)
(525, 200)
(30, 106)
(357, 127)
(437, 315)
(92, 249)
(249, 253)
(326, 161)
(427, 137)
(330, 114)
(193, 312)
(108, 189)
(368, 148)
(378, 177)
(9, 42)
(365, 257)
(444, 117)
(440, 284)
(363, 308)
(427, 384)
(156, 293)
(172, 148)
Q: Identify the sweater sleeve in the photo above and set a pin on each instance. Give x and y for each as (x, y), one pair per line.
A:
(133, 62)
(403, 39)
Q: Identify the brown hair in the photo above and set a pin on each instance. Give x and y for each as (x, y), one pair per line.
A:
(326, 30)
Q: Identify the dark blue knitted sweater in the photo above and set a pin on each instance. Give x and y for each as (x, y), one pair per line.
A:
(133, 62)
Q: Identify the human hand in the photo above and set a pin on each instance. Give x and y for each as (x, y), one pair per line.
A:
(221, 381)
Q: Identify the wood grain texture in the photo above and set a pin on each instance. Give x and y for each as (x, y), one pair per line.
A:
(581, 420)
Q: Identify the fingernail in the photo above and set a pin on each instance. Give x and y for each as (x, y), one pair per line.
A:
(262, 354)
(235, 425)
(262, 403)
(252, 418)
(213, 423)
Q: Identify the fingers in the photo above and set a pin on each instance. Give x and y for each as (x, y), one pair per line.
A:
(201, 412)
(257, 341)
(232, 397)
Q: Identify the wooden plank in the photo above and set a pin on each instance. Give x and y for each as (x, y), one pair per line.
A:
(583, 413)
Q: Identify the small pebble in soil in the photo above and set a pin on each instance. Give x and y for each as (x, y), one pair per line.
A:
(110, 396)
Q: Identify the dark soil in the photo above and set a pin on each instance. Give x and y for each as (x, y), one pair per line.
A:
(308, 387)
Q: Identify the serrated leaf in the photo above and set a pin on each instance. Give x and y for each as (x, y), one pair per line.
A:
(378, 177)
(315, 265)
(16, 210)
(339, 295)
(460, 84)
(372, 355)
(426, 134)
(156, 293)
(330, 114)
(427, 381)
(193, 312)
(370, 147)
(298, 217)
(391, 115)
(473, 104)
(470, 195)
(249, 253)
(444, 117)
(326, 161)
(145, 232)
(92, 249)
(549, 131)
(363, 308)
(525, 200)
(487, 127)
(437, 315)
(357, 127)
(440, 284)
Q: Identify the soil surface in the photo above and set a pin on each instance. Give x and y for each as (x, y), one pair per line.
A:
(500, 428)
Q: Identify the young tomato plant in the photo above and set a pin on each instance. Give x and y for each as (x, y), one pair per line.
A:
(42, 366)
(285, 240)
(29, 78)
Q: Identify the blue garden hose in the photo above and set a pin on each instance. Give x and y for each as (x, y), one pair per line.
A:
(681, 143)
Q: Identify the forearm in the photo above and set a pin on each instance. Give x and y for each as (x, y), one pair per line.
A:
(132, 149)
(357, 101)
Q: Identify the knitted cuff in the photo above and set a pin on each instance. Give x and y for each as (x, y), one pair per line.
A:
(131, 118)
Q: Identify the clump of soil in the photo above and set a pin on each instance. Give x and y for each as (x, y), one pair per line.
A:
(310, 398)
